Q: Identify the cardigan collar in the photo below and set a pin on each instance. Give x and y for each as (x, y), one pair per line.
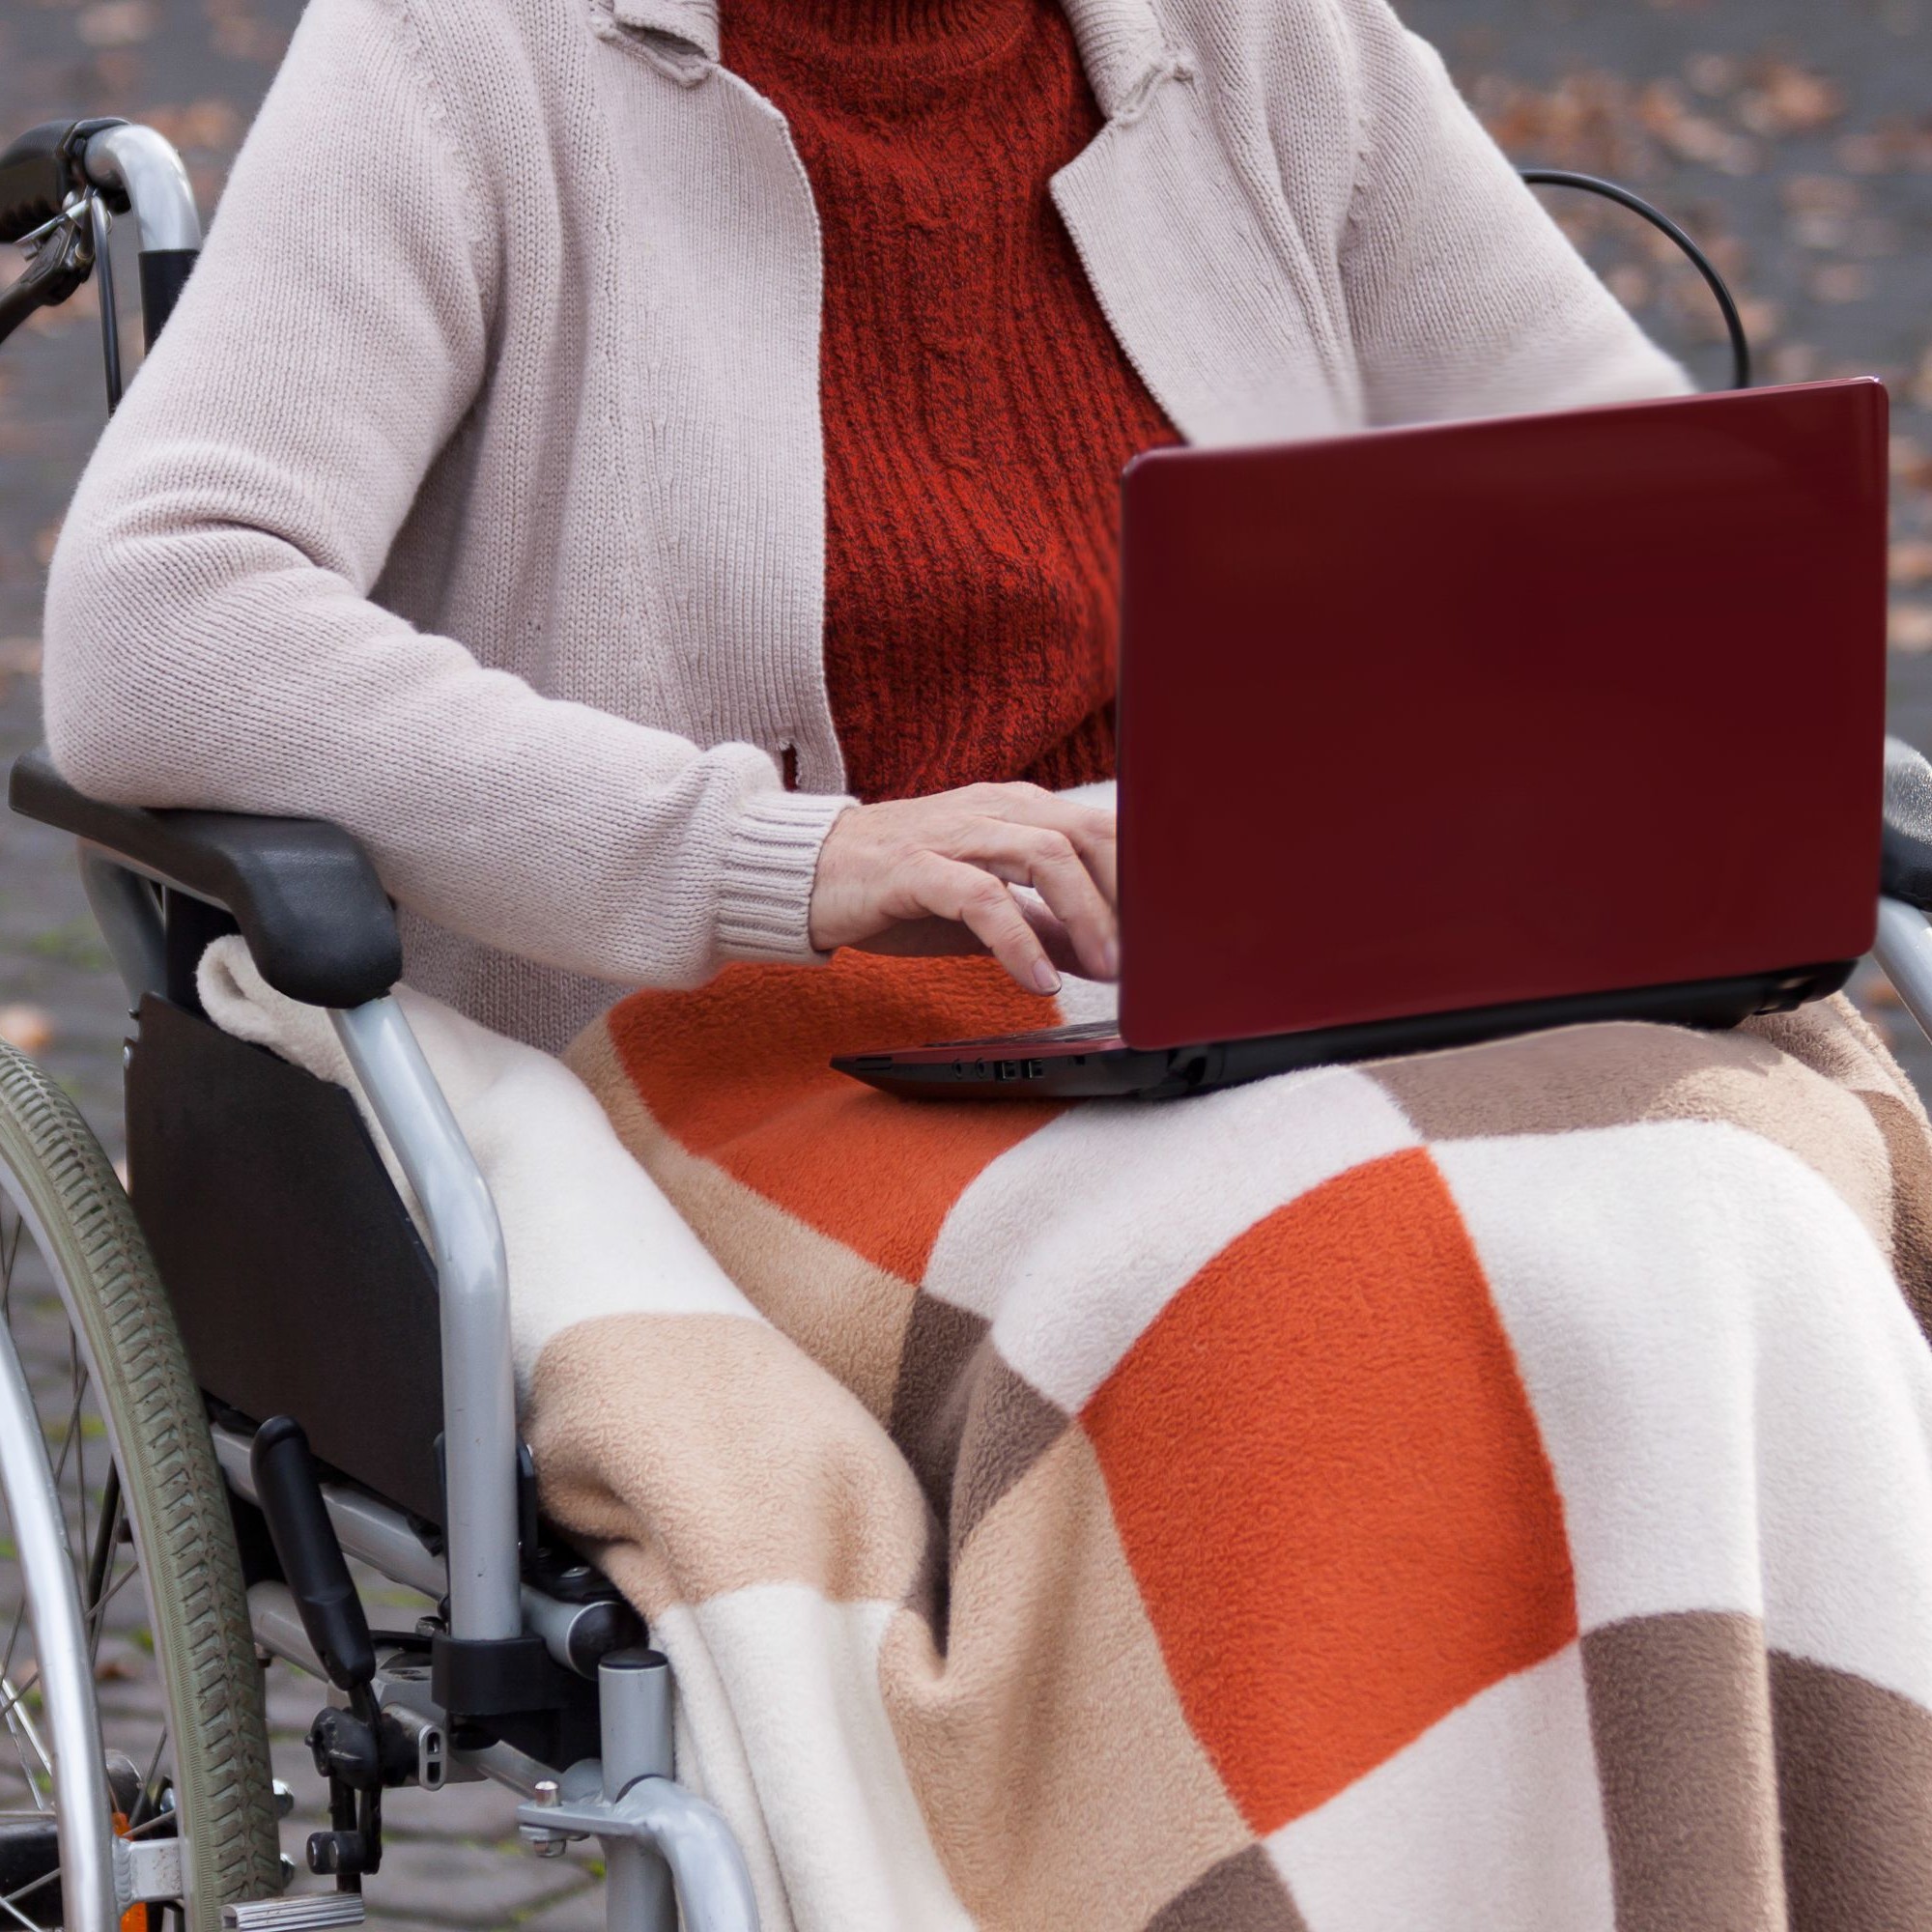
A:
(1121, 41)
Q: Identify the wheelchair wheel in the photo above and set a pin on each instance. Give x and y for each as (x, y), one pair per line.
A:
(185, 1739)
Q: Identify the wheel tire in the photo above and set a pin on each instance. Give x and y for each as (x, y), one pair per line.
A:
(173, 1491)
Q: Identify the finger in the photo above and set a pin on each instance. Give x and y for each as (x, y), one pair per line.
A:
(1047, 861)
(987, 909)
(1092, 829)
(944, 938)
(1051, 934)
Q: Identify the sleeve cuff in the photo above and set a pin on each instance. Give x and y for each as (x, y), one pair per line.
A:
(764, 902)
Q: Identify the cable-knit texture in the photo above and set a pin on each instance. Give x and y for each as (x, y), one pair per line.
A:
(476, 497)
(978, 410)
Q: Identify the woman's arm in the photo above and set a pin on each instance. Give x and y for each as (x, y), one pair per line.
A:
(209, 640)
(1464, 298)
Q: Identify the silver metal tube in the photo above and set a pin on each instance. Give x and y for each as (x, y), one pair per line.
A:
(85, 1833)
(376, 1534)
(479, 1406)
(578, 1636)
(670, 1858)
(714, 1888)
(1904, 954)
(633, 1711)
(130, 919)
(276, 1625)
(503, 1764)
(139, 162)
(372, 1531)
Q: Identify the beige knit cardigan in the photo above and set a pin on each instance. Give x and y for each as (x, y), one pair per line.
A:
(474, 496)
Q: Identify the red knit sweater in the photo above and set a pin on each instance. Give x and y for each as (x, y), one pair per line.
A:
(977, 408)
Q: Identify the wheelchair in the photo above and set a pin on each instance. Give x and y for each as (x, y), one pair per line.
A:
(267, 1370)
(223, 1383)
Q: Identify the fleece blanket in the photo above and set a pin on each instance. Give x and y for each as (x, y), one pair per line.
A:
(1489, 1490)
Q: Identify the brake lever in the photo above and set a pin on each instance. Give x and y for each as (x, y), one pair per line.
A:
(62, 259)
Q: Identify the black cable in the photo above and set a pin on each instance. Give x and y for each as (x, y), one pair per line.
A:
(110, 323)
(1741, 356)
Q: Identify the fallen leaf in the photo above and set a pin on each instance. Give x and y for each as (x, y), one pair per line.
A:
(26, 1029)
(1796, 362)
(1910, 629)
(1911, 561)
(1818, 229)
(1866, 154)
(1893, 145)
(1713, 75)
(1911, 463)
(1629, 283)
(1790, 99)
(1691, 136)
(115, 23)
(1841, 282)
(1921, 383)
(201, 123)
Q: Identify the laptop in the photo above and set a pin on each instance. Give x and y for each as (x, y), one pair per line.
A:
(1431, 735)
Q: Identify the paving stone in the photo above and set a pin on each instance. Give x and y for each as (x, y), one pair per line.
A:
(293, 1698)
(470, 1885)
(481, 1811)
(582, 1912)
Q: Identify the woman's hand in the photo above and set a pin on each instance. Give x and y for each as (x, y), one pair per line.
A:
(936, 875)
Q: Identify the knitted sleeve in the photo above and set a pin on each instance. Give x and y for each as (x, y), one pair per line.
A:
(210, 638)
(1464, 298)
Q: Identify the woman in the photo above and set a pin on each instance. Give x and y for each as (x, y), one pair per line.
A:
(602, 440)
(647, 468)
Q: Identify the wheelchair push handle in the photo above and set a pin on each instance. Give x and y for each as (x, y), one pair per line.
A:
(49, 177)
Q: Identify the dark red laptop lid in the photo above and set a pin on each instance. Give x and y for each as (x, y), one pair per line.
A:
(1492, 712)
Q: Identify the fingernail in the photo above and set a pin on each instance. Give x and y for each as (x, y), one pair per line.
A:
(1110, 958)
(1045, 978)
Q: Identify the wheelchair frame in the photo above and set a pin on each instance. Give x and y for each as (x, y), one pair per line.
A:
(665, 1850)
(321, 929)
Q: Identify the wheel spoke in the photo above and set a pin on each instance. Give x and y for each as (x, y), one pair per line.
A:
(14, 1911)
(14, 1638)
(72, 1437)
(13, 1248)
(26, 1737)
(14, 1693)
(79, 1437)
(101, 1604)
(101, 1557)
(137, 1819)
(17, 1711)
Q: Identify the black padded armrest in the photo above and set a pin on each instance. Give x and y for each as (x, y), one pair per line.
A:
(1905, 870)
(304, 891)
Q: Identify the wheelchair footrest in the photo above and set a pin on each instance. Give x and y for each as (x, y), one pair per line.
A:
(295, 1912)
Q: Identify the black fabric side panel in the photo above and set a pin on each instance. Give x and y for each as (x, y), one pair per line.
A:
(300, 1281)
